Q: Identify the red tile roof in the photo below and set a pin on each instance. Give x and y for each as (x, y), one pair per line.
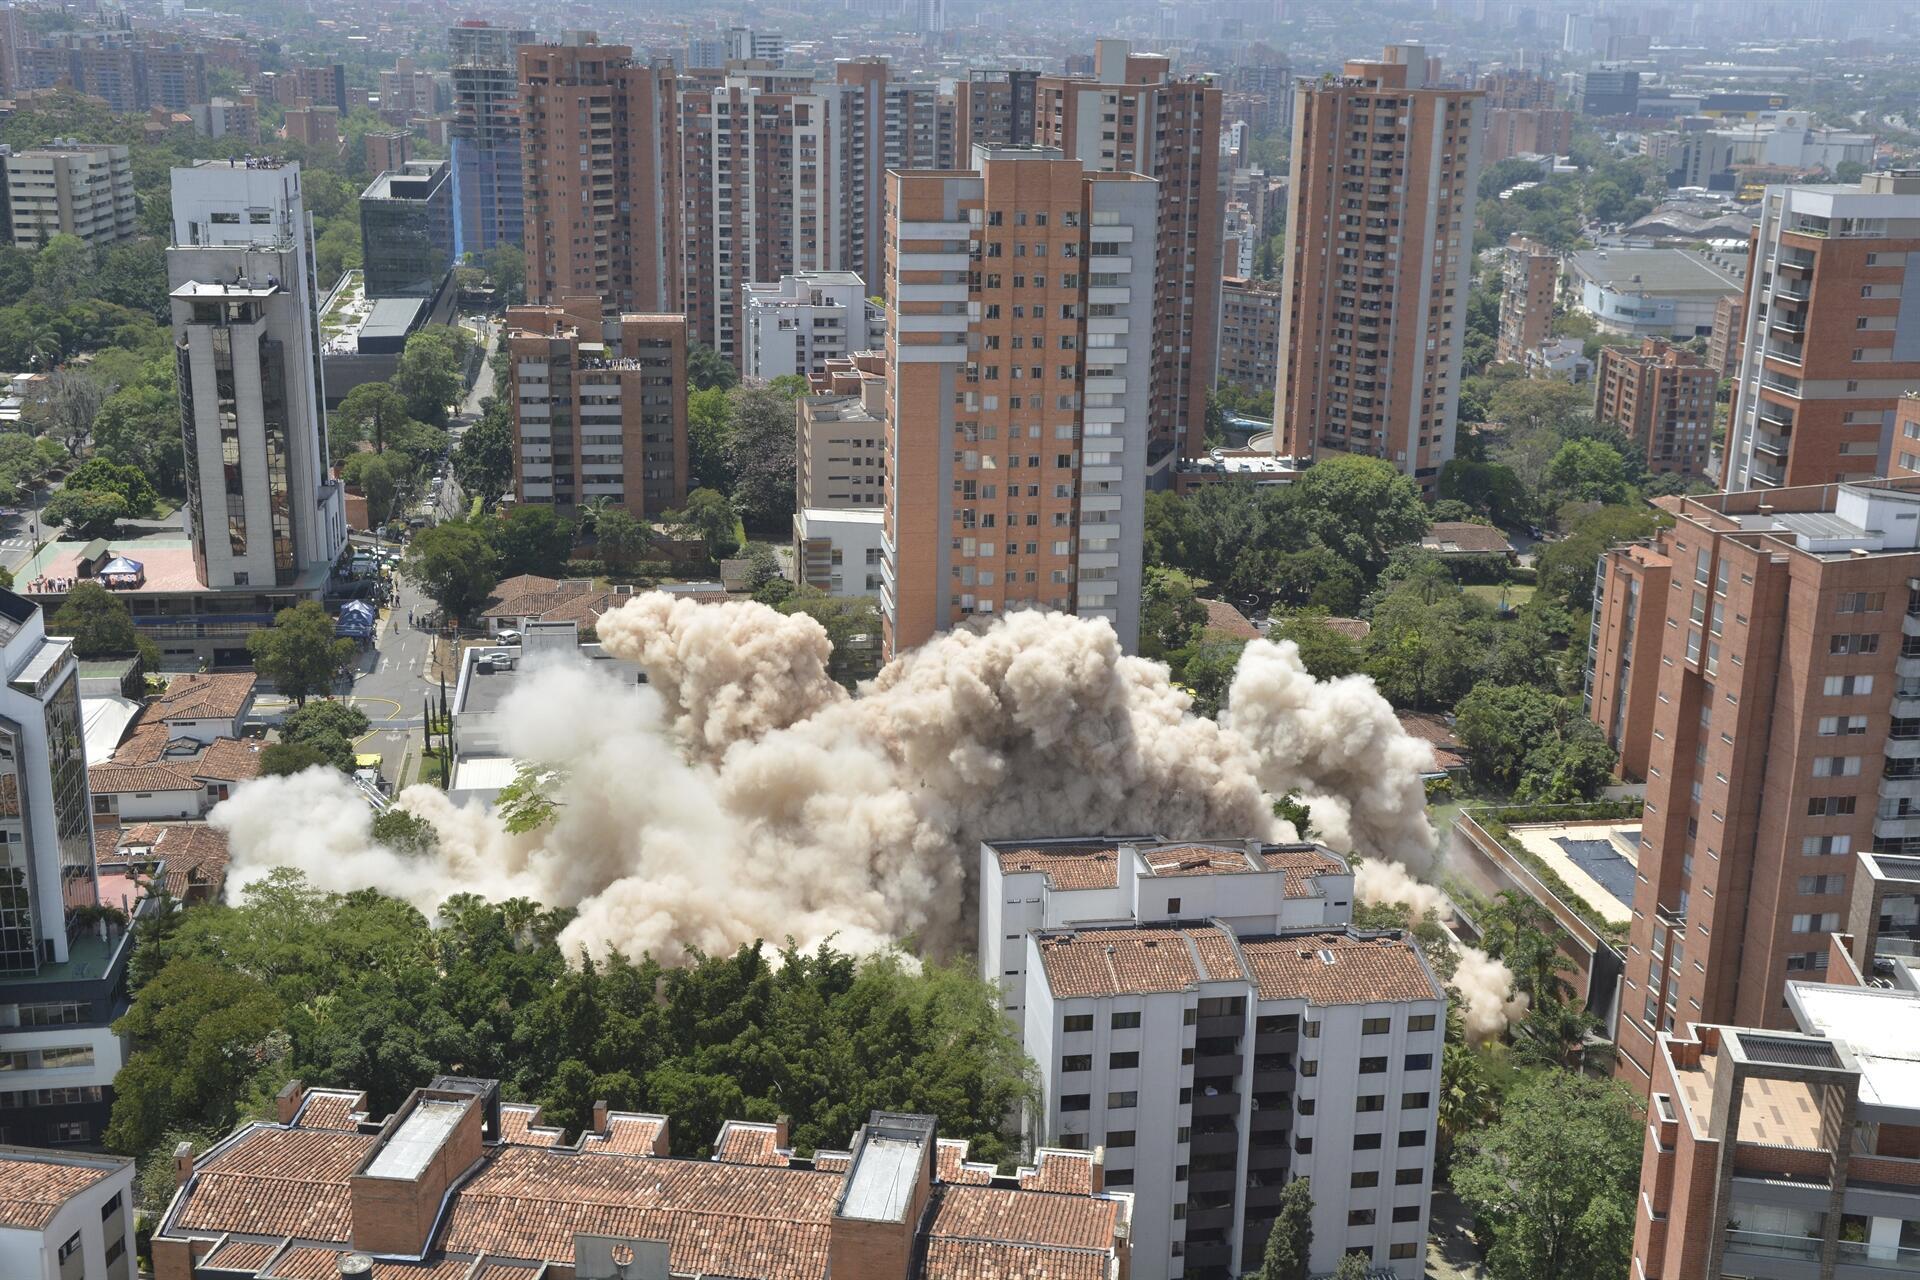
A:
(227, 760)
(111, 778)
(337, 1109)
(950, 1259)
(204, 697)
(1105, 962)
(1337, 968)
(277, 1182)
(1022, 1217)
(1225, 620)
(1301, 863)
(307, 1263)
(33, 1188)
(952, 1165)
(833, 1161)
(240, 1255)
(745, 1143)
(1090, 865)
(1059, 1170)
(718, 1219)
(520, 1123)
(1434, 730)
(1463, 537)
(627, 1134)
(1195, 860)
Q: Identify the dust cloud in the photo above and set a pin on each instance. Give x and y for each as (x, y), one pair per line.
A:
(742, 794)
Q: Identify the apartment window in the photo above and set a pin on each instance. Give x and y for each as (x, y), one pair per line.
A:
(1311, 1030)
(1842, 726)
(1406, 1213)
(1125, 1021)
(1120, 1137)
(1359, 1217)
(1836, 766)
(110, 1208)
(1420, 1022)
(72, 1246)
(1413, 1137)
(1077, 1062)
(1849, 644)
(1309, 1067)
(1376, 1026)
(1366, 1142)
(1800, 961)
(1304, 1146)
(1814, 885)
(1861, 602)
(1119, 1177)
(1120, 1099)
(1419, 1061)
(1403, 1249)
(1076, 1102)
(1365, 1178)
(1414, 1101)
(1122, 1061)
(1077, 1022)
(1371, 1102)
(1173, 904)
(1308, 1106)
(1409, 1177)
(1816, 922)
(1821, 846)
(1180, 1173)
(1829, 806)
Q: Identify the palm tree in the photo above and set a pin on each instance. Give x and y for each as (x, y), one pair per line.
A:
(45, 347)
(1556, 1033)
(1468, 1098)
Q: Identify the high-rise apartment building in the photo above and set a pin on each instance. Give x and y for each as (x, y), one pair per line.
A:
(1663, 399)
(1827, 347)
(317, 127)
(1723, 344)
(797, 325)
(781, 173)
(408, 91)
(487, 191)
(994, 107)
(62, 976)
(1522, 118)
(1261, 93)
(79, 189)
(1609, 91)
(264, 510)
(1791, 1149)
(600, 409)
(599, 176)
(1529, 281)
(406, 224)
(1249, 351)
(1134, 116)
(1379, 264)
(1759, 665)
(1017, 420)
(387, 149)
(841, 442)
(1207, 1015)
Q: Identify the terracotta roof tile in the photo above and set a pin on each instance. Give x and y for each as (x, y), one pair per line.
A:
(1104, 962)
(1351, 628)
(276, 1182)
(1195, 860)
(742, 1142)
(35, 1188)
(240, 1255)
(1228, 621)
(1090, 865)
(1362, 970)
(204, 697)
(1461, 537)
(1437, 733)
(1021, 1217)
(628, 1134)
(117, 779)
(952, 1164)
(1301, 864)
(306, 1263)
(227, 760)
(730, 1220)
(833, 1161)
(336, 1109)
(146, 744)
(992, 1260)
(1060, 1170)
(520, 1122)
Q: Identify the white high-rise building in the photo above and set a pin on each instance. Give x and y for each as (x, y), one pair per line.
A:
(798, 324)
(1206, 1014)
(265, 509)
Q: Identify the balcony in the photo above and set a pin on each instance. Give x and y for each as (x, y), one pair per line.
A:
(1777, 414)
(1225, 1141)
(1796, 291)
(1769, 443)
(1228, 1104)
(1791, 352)
(1879, 1257)
(1767, 1244)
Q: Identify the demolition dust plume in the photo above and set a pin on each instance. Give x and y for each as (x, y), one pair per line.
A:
(742, 794)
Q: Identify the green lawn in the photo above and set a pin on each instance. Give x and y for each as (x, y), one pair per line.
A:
(1518, 593)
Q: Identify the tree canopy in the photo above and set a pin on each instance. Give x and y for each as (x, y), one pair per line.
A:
(300, 653)
(456, 565)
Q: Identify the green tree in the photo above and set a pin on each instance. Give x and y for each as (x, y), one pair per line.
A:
(282, 759)
(98, 475)
(336, 249)
(707, 516)
(63, 270)
(300, 653)
(1586, 471)
(1208, 672)
(406, 832)
(1489, 488)
(506, 268)
(619, 538)
(760, 455)
(101, 626)
(370, 413)
(139, 427)
(532, 539)
(1354, 1264)
(1170, 613)
(1500, 725)
(1327, 654)
(709, 433)
(1467, 1101)
(1556, 1178)
(456, 565)
(1560, 1034)
(1425, 641)
(73, 401)
(708, 370)
(852, 624)
(483, 461)
(379, 478)
(1290, 1240)
(87, 513)
(430, 375)
(1565, 567)
(329, 727)
(1360, 508)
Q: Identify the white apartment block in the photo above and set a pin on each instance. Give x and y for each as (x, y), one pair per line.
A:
(265, 509)
(838, 551)
(799, 323)
(72, 188)
(66, 1216)
(1213, 1023)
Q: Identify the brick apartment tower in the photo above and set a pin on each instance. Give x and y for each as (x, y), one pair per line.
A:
(780, 174)
(1529, 278)
(1827, 343)
(1379, 263)
(1663, 399)
(601, 197)
(1759, 665)
(1016, 404)
(1135, 117)
(591, 421)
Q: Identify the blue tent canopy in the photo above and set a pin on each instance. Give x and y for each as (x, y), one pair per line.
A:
(120, 565)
